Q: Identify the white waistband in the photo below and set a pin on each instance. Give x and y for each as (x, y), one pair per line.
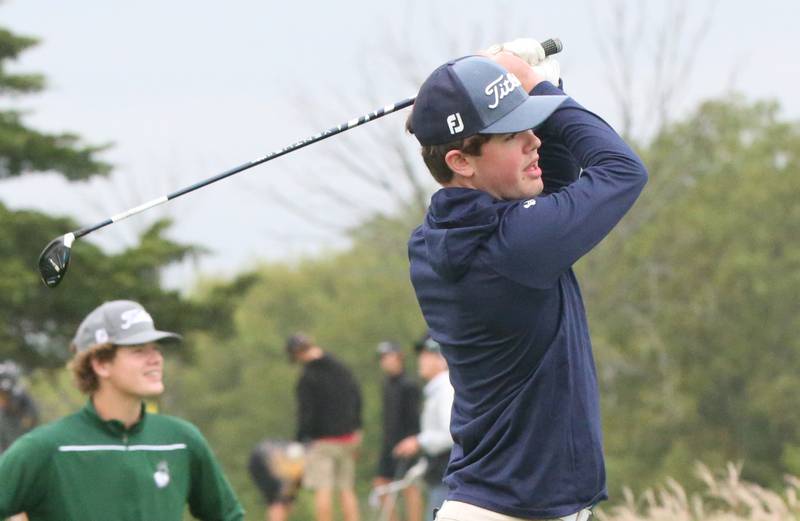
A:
(458, 511)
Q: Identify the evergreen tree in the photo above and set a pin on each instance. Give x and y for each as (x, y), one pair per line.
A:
(36, 324)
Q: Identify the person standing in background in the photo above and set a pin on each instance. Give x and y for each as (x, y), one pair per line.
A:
(401, 402)
(434, 440)
(329, 421)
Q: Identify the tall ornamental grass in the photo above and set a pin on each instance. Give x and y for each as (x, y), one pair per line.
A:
(726, 498)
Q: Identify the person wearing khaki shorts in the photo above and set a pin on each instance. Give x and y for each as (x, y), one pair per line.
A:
(331, 464)
(329, 421)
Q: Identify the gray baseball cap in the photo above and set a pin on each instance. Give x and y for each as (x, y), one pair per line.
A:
(119, 322)
(387, 346)
(427, 343)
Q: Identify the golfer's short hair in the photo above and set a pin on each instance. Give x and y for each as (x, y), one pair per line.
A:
(434, 155)
(81, 366)
(298, 343)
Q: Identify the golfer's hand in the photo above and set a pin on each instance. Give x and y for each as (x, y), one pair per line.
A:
(528, 49)
(527, 75)
(550, 69)
(406, 448)
(531, 52)
(379, 481)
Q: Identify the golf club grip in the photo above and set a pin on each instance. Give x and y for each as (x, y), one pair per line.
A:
(552, 46)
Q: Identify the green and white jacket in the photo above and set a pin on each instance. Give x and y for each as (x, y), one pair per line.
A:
(82, 468)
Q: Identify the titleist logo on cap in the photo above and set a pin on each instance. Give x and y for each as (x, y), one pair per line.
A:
(134, 316)
(501, 87)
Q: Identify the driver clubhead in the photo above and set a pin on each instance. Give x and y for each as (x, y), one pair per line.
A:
(54, 260)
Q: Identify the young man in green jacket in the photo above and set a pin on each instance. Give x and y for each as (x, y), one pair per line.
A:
(113, 461)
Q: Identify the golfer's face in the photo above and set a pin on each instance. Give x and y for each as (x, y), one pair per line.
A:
(391, 363)
(430, 364)
(137, 371)
(508, 167)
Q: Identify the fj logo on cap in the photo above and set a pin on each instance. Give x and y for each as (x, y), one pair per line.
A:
(454, 123)
(134, 316)
(501, 87)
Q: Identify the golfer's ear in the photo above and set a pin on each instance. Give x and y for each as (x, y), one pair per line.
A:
(100, 367)
(458, 163)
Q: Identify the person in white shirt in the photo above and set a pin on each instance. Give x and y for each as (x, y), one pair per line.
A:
(434, 439)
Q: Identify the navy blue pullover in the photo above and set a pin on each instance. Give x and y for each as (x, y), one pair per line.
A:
(495, 284)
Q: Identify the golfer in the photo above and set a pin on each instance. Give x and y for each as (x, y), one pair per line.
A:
(492, 269)
(276, 469)
(112, 460)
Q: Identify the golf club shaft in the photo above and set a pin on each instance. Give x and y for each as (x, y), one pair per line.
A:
(290, 148)
(551, 46)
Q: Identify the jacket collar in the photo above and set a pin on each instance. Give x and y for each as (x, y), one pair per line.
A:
(114, 427)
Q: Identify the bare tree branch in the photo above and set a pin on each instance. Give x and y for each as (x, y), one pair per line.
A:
(418, 193)
(671, 44)
(378, 171)
(299, 210)
(316, 184)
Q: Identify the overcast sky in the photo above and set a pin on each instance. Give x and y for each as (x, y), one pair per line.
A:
(186, 89)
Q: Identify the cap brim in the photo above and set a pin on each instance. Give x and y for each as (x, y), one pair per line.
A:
(530, 114)
(145, 337)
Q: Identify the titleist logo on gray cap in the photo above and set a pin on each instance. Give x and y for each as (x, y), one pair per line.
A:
(119, 322)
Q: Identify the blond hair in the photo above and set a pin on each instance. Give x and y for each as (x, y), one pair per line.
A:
(81, 365)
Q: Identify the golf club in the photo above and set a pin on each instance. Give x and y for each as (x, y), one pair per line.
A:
(391, 489)
(54, 259)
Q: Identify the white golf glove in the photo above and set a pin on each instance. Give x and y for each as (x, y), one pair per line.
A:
(528, 49)
(532, 52)
(550, 70)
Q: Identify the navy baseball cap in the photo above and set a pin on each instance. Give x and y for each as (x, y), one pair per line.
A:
(475, 95)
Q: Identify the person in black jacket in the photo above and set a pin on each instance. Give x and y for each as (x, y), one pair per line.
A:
(401, 407)
(329, 421)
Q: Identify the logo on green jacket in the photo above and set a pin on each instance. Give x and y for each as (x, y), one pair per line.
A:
(161, 476)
